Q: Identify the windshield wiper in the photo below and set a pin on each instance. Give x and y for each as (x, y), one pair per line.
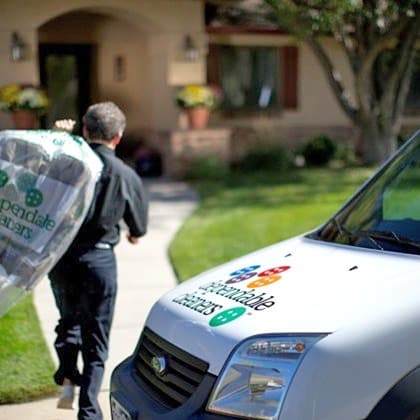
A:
(389, 236)
(355, 235)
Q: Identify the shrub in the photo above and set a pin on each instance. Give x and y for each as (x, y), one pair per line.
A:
(265, 157)
(346, 153)
(319, 150)
(205, 168)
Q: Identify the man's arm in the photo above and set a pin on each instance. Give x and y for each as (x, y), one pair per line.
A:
(136, 209)
(133, 239)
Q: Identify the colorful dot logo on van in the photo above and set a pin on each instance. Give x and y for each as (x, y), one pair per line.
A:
(4, 178)
(245, 270)
(226, 316)
(241, 277)
(34, 198)
(274, 270)
(263, 281)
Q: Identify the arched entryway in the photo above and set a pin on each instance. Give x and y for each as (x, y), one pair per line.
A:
(86, 56)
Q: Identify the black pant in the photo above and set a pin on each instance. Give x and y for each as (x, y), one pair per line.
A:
(84, 284)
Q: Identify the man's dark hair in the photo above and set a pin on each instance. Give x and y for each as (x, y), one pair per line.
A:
(103, 121)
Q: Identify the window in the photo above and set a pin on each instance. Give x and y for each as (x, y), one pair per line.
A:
(249, 78)
(254, 78)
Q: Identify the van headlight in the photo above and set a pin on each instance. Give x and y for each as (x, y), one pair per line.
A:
(255, 380)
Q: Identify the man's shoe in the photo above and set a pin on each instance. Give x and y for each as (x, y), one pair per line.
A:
(66, 397)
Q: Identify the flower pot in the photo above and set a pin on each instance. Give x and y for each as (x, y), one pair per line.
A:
(198, 118)
(25, 119)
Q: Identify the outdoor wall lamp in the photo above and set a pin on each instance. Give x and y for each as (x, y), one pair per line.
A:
(190, 49)
(17, 47)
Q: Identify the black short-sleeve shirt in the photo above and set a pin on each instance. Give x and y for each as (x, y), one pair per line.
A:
(119, 196)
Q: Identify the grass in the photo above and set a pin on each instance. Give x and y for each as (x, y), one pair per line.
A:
(26, 367)
(245, 212)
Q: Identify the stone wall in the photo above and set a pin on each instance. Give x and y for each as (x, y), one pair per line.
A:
(180, 147)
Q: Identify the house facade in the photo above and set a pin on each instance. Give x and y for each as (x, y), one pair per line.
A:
(138, 53)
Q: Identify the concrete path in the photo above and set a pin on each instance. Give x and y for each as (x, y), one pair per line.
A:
(145, 273)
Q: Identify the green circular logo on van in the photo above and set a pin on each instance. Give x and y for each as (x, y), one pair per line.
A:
(226, 316)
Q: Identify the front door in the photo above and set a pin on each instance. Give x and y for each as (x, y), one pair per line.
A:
(65, 73)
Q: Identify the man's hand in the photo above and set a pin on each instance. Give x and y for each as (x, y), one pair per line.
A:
(64, 125)
(133, 239)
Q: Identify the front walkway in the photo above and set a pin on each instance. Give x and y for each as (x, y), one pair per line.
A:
(145, 273)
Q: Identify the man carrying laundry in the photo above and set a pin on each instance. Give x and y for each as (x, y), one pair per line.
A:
(84, 281)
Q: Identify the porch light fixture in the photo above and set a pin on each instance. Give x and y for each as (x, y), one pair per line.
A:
(17, 47)
(190, 49)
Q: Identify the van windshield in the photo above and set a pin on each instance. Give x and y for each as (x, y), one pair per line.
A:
(385, 213)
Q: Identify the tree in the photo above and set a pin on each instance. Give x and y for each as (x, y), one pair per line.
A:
(379, 39)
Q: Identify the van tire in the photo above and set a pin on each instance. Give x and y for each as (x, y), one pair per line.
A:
(401, 402)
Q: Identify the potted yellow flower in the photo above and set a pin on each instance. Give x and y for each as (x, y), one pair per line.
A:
(25, 102)
(198, 101)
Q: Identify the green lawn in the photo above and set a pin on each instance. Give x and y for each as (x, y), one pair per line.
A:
(246, 212)
(26, 366)
(235, 216)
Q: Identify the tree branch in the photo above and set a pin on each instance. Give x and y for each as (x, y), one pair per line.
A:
(403, 53)
(405, 78)
(363, 80)
(348, 45)
(359, 36)
(383, 42)
(369, 23)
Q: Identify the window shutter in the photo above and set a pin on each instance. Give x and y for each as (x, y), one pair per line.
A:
(289, 83)
(213, 65)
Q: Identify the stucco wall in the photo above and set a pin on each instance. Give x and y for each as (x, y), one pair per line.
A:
(148, 34)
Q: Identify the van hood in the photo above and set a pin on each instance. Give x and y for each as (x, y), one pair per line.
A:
(297, 286)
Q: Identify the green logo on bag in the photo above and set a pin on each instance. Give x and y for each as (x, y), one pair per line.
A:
(25, 182)
(58, 142)
(4, 178)
(19, 200)
(34, 198)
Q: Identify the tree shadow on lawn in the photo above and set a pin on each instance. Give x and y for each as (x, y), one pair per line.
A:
(276, 189)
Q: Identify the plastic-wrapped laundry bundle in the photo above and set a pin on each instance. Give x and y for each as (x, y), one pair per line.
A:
(47, 180)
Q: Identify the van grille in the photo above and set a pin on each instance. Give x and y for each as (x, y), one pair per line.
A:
(182, 375)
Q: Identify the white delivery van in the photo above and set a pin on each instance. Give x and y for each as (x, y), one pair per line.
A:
(324, 326)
